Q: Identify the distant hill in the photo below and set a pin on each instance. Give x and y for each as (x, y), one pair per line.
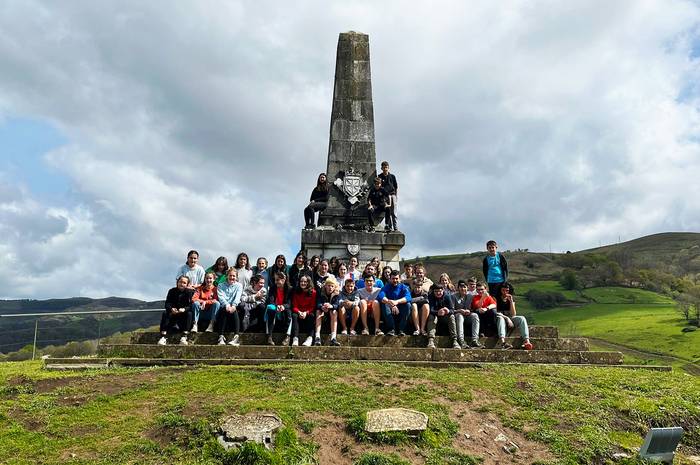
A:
(674, 253)
(16, 332)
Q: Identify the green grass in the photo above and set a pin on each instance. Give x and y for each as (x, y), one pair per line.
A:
(582, 415)
(632, 317)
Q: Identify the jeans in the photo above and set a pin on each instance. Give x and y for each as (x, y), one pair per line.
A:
(390, 319)
(473, 320)
(433, 322)
(518, 322)
(197, 309)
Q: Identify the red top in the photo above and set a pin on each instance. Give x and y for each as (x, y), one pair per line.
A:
(303, 301)
(476, 302)
(280, 296)
(203, 296)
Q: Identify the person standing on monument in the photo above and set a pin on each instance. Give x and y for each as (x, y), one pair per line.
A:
(391, 186)
(378, 202)
(317, 202)
(495, 268)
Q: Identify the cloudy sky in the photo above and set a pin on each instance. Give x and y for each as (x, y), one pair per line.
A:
(133, 131)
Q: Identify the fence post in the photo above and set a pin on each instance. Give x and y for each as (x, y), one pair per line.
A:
(36, 328)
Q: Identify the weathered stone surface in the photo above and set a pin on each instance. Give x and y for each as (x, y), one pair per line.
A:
(349, 353)
(332, 243)
(539, 335)
(257, 427)
(396, 419)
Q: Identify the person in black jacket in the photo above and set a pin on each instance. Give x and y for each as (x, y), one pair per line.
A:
(391, 186)
(377, 202)
(495, 268)
(442, 308)
(279, 306)
(178, 311)
(317, 202)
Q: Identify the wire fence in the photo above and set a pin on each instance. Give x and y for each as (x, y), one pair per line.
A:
(39, 330)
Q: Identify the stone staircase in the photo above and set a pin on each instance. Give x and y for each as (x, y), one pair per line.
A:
(408, 350)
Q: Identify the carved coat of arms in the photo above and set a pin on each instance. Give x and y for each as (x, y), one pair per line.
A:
(352, 185)
(353, 249)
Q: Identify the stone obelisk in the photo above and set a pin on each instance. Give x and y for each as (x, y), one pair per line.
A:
(352, 164)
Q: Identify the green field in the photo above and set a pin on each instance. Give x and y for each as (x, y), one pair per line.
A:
(631, 317)
(557, 415)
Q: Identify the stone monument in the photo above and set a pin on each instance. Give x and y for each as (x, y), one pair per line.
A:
(352, 165)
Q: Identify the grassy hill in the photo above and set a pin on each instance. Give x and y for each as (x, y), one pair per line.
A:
(556, 415)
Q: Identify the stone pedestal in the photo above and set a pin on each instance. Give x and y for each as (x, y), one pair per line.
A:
(332, 243)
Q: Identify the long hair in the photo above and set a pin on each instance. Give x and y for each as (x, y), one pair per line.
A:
(322, 186)
(284, 266)
(309, 289)
(273, 285)
(220, 261)
(247, 260)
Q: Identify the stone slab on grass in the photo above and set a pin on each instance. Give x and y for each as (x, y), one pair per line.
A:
(396, 419)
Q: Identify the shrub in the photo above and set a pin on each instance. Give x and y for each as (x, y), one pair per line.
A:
(544, 299)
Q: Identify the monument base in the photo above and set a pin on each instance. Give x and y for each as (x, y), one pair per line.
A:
(364, 245)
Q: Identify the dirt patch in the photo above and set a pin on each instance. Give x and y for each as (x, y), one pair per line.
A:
(476, 436)
(401, 384)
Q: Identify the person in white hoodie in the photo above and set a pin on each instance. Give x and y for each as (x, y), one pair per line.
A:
(192, 269)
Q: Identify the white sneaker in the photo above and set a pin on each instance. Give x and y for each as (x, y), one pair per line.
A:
(210, 328)
(235, 340)
(162, 341)
(295, 342)
(194, 327)
(222, 340)
(344, 332)
(309, 340)
(183, 341)
(416, 332)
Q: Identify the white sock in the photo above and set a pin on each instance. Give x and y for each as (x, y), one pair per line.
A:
(318, 333)
(333, 335)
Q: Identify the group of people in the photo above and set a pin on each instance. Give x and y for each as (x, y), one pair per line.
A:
(306, 297)
(381, 198)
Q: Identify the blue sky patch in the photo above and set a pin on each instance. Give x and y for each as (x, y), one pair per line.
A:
(23, 144)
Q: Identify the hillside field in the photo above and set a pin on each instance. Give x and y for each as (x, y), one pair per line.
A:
(556, 415)
(631, 317)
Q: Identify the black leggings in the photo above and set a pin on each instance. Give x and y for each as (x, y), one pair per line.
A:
(228, 322)
(312, 208)
(306, 325)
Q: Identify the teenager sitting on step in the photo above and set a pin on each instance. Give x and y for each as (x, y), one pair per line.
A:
(229, 293)
(441, 311)
(485, 306)
(349, 307)
(327, 308)
(252, 306)
(303, 310)
(278, 306)
(178, 311)
(396, 299)
(205, 305)
(507, 319)
(370, 305)
(463, 314)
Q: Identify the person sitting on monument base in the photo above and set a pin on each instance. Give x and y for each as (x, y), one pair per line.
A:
(349, 307)
(178, 311)
(441, 311)
(378, 202)
(391, 186)
(396, 299)
(327, 306)
(205, 304)
(369, 303)
(252, 306)
(317, 202)
(463, 313)
(229, 294)
(507, 319)
(279, 305)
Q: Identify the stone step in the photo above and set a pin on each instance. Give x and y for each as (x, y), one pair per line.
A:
(248, 339)
(382, 353)
(87, 365)
(51, 364)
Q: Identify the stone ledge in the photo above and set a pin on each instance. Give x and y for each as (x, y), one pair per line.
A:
(349, 353)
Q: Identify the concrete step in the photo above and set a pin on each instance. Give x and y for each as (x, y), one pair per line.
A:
(382, 353)
(249, 339)
(154, 362)
(87, 365)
